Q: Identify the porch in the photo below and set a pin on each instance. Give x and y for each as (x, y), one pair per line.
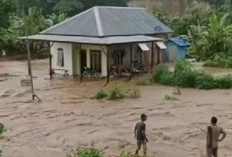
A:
(100, 55)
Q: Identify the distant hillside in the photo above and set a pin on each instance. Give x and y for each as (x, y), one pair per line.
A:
(176, 8)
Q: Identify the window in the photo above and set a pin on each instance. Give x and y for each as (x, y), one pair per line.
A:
(118, 57)
(60, 57)
(95, 60)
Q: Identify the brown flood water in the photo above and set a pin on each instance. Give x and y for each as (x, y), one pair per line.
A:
(67, 118)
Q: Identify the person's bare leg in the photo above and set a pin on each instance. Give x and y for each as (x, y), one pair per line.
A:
(137, 150)
(144, 149)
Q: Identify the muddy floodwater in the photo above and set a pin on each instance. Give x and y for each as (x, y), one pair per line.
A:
(67, 118)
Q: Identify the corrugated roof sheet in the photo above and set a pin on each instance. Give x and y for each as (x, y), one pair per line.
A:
(110, 21)
(180, 42)
(94, 40)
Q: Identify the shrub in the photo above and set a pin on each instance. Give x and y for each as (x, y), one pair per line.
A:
(158, 72)
(167, 79)
(88, 152)
(182, 66)
(116, 93)
(224, 82)
(205, 81)
(184, 76)
(101, 95)
(168, 97)
(134, 93)
(221, 61)
(186, 79)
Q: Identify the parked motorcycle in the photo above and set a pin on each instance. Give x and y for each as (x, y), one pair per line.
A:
(89, 73)
(138, 67)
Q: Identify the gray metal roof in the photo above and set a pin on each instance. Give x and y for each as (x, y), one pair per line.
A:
(93, 40)
(110, 21)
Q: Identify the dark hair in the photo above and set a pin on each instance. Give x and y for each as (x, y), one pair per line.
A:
(143, 116)
(214, 120)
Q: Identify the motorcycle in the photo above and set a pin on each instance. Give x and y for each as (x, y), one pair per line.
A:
(88, 73)
(138, 67)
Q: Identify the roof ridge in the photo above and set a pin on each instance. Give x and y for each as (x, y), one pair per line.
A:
(122, 7)
(98, 21)
(66, 20)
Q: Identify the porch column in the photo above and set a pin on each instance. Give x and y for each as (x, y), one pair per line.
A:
(81, 70)
(50, 60)
(108, 65)
(152, 55)
(131, 60)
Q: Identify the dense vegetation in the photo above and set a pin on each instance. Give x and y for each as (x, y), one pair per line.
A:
(185, 76)
(209, 31)
(26, 17)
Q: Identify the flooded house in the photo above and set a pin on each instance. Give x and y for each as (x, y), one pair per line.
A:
(105, 37)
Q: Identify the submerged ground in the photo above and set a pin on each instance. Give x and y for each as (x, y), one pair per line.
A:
(67, 118)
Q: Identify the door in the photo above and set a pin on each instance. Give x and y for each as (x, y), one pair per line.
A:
(95, 60)
(83, 60)
(172, 52)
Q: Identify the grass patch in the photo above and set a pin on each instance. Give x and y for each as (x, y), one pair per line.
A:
(123, 154)
(88, 152)
(135, 93)
(101, 95)
(185, 76)
(144, 83)
(171, 98)
(117, 92)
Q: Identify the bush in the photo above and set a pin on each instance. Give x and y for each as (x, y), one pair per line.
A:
(221, 61)
(116, 93)
(158, 72)
(186, 79)
(184, 76)
(88, 152)
(205, 81)
(182, 66)
(101, 95)
(134, 93)
(224, 82)
(167, 79)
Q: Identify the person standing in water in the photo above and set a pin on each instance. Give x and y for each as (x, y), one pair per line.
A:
(213, 137)
(140, 135)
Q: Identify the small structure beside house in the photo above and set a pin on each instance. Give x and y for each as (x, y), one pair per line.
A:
(104, 37)
(176, 48)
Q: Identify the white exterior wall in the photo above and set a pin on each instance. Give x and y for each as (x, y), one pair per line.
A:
(68, 62)
(103, 50)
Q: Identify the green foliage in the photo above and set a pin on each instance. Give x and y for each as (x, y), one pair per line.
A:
(221, 61)
(211, 39)
(123, 154)
(184, 76)
(135, 93)
(205, 81)
(116, 93)
(172, 98)
(27, 17)
(101, 95)
(88, 152)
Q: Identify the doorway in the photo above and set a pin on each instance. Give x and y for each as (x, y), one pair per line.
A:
(83, 60)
